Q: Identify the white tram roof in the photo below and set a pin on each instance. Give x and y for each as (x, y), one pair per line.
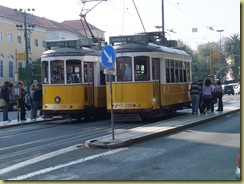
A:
(70, 47)
(142, 43)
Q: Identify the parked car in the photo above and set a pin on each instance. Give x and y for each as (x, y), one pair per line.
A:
(229, 89)
(238, 168)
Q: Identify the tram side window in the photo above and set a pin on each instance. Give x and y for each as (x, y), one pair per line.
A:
(45, 74)
(184, 71)
(124, 69)
(176, 71)
(188, 71)
(167, 64)
(57, 72)
(180, 72)
(142, 68)
(102, 75)
(172, 71)
(73, 71)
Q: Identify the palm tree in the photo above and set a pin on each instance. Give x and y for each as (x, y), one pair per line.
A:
(232, 50)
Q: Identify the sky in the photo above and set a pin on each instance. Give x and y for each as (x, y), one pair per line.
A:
(119, 17)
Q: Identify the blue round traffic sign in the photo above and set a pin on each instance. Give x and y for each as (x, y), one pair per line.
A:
(108, 56)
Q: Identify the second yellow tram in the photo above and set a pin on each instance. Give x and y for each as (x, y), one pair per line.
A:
(151, 81)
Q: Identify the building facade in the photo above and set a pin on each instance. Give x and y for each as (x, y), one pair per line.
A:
(39, 29)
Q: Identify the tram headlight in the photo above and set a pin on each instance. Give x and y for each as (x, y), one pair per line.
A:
(57, 99)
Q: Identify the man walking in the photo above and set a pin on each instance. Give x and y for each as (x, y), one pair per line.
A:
(195, 92)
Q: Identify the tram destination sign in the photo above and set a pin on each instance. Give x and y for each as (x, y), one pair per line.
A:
(129, 39)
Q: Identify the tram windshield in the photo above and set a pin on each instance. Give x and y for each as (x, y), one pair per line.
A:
(57, 72)
(73, 71)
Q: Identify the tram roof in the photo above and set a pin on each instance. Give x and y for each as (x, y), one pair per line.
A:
(150, 47)
(66, 51)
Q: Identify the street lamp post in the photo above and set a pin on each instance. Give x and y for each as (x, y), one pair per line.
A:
(220, 31)
(26, 28)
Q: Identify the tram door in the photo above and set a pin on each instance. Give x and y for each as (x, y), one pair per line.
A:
(156, 82)
(89, 83)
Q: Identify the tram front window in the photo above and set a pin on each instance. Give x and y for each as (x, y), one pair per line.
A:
(142, 68)
(57, 72)
(124, 69)
(73, 71)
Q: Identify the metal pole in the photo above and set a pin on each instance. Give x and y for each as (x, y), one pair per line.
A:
(111, 103)
(17, 80)
(27, 54)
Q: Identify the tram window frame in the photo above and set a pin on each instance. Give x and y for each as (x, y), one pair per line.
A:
(45, 72)
(73, 71)
(142, 68)
(57, 71)
(124, 68)
(181, 71)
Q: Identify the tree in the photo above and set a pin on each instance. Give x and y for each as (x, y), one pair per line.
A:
(232, 51)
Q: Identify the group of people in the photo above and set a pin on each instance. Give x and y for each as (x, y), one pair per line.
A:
(202, 95)
(7, 93)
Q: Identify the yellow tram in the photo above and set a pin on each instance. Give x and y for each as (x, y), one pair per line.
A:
(73, 80)
(151, 80)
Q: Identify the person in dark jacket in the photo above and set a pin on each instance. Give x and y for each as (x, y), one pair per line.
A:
(22, 101)
(5, 93)
(219, 94)
(195, 91)
(37, 100)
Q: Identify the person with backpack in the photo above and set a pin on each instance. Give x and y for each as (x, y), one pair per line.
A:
(37, 100)
(219, 94)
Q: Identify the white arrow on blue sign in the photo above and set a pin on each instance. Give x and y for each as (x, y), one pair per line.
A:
(108, 56)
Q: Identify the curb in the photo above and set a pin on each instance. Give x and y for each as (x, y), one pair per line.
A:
(113, 144)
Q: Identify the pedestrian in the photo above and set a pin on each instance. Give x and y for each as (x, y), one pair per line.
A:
(195, 92)
(207, 91)
(5, 93)
(219, 94)
(32, 90)
(37, 100)
(200, 82)
(22, 101)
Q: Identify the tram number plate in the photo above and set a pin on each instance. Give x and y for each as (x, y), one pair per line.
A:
(57, 116)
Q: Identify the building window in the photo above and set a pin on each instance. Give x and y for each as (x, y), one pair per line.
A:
(11, 69)
(36, 42)
(1, 68)
(19, 39)
(1, 36)
(29, 43)
(10, 38)
(20, 65)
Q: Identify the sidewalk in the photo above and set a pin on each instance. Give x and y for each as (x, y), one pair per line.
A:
(5, 124)
(157, 129)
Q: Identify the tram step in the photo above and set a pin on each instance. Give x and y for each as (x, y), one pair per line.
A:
(127, 117)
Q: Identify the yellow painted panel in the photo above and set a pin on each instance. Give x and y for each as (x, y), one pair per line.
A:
(175, 93)
(72, 97)
(100, 97)
(130, 95)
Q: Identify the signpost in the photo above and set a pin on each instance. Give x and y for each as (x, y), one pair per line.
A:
(108, 60)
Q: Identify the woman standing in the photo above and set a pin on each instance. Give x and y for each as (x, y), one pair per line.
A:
(219, 94)
(207, 90)
(5, 93)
